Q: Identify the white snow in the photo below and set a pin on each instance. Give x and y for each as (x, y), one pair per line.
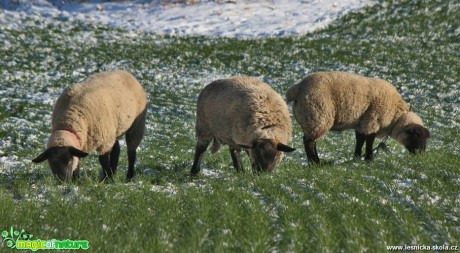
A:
(241, 19)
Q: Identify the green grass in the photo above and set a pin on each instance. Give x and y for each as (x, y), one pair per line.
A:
(341, 206)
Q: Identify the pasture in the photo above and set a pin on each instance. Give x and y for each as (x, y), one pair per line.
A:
(341, 206)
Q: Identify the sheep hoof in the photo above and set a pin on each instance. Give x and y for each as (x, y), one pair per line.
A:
(369, 158)
(357, 158)
(194, 175)
(129, 179)
(104, 178)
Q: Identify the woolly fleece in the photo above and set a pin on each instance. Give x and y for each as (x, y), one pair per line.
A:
(97, 111)
(337, 101)
(240, 110)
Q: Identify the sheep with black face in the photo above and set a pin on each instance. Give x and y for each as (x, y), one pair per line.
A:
(246, 114)
(92, 115)
(337, 101)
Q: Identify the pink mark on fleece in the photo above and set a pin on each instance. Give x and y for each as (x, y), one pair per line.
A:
(73, 136)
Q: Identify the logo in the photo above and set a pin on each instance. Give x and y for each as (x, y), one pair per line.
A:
(12, 236)
(21, 240)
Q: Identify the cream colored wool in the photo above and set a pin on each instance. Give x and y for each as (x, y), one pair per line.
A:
(95, 112)
(239, 110)
(337, 101)
(63, 138)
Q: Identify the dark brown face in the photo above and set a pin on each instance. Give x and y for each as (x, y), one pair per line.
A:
(415, 138)
(61, 160)
(266, 154)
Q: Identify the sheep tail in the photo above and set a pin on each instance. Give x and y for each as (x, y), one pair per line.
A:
(292, 92)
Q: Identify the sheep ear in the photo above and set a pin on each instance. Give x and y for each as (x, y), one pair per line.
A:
(427, 132)
(422, 132)
(410, 131)
(42, 157)
(77, 152)
(284, 148)
(419, 131)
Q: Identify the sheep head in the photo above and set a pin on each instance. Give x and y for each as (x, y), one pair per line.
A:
(63, 161)
(410, 132)
(266, 153)
(414, 138)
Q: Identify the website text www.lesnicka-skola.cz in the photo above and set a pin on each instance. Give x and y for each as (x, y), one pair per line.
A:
(423, 248)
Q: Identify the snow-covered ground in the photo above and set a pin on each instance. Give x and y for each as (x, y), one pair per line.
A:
(234, 18)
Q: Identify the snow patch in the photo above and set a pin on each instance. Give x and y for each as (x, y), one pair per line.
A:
(241, 19)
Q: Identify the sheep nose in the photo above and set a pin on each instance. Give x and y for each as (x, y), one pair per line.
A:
(423, 147)
(413, 151)
(65, 176)
(270, 166)
(418, 151)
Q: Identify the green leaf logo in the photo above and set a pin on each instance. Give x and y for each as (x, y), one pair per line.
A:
(13, 235)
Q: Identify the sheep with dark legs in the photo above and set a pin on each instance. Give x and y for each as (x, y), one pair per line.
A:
(244, 113)
(337, 101)
(92, 115)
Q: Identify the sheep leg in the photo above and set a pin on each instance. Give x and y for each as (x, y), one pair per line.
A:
(199, 153)
(236, 158)
(310, 149)
(114, 155)
(360, 139)
(131, 162)
(253, 164)
(133, 138)
(104, 160)
(369, 143)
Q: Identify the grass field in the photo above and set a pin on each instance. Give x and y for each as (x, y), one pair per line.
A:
(342, 206)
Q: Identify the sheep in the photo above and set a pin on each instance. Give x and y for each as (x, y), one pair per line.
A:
(92, 115)
(244, 113)
(338, 101)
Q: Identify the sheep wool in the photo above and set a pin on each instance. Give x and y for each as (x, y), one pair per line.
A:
(239, 111)
(100, 109)
(93, 114)
(338, 101)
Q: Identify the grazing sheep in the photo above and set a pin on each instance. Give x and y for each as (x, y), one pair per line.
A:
(92, 115)
(244, 113)
(337, 101)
